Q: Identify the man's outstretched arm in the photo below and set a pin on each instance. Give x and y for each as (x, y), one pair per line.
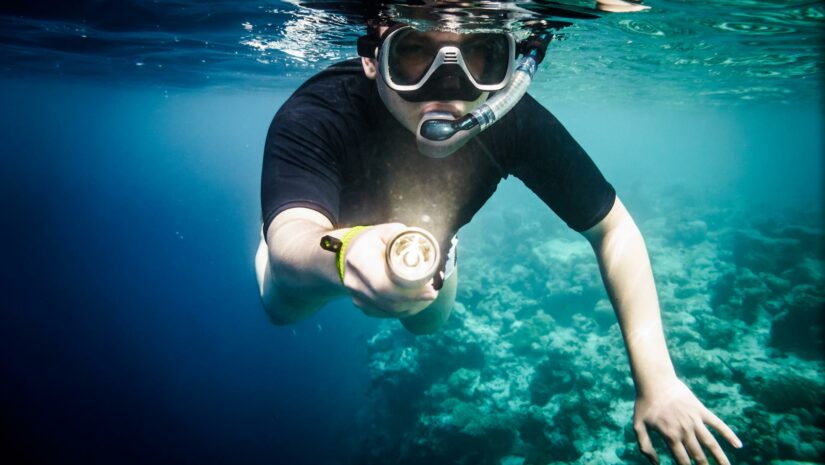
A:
(296, 277)
(663, 402)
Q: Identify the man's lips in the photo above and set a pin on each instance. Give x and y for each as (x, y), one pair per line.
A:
(440, 107)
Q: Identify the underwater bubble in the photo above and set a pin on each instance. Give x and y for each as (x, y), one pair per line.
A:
(814, 12)
(753, 28)
(752, 60)
(748, 93)
(642, 27)
(794, 17)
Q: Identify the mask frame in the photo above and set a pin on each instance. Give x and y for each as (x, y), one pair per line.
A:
(447, 55)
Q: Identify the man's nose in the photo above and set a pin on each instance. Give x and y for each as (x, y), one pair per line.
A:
(450, 82)
(450, 77)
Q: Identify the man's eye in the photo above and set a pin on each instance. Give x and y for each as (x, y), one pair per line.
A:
(472, 48)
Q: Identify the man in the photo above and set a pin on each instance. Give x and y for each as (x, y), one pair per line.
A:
(341, 160)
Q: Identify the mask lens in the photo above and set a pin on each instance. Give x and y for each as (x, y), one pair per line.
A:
(410, 55)
(487, 56)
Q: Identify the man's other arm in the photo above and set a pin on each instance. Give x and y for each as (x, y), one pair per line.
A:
(628, 278)
(663, 402)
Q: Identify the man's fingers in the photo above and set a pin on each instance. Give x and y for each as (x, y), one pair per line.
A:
(394, 296)
(356, 281)
(367, 305)
(645, 444)
(361, 303)
(390, 230)
(695, 450)
(710, 419)
(679, 452)
(427, 292)
(381, 289)
(376, 298)
(378, 306)
(712, 445)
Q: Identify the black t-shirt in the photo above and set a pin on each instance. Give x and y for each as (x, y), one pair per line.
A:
(334, 147)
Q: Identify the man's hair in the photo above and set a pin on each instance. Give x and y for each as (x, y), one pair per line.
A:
(374, 25)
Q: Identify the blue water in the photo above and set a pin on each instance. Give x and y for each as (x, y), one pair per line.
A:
(131, 329)
(131, 326)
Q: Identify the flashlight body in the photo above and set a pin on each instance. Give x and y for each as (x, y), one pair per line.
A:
(413, 257)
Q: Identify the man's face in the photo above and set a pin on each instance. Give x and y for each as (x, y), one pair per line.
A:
(409, 114)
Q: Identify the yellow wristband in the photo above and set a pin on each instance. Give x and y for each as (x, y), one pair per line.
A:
(345, 240)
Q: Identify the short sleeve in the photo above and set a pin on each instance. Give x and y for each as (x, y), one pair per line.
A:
(551, 163)
(301, 163)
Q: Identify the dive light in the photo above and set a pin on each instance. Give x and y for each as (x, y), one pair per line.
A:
(413, 257)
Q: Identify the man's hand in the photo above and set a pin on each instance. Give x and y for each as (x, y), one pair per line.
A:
(675, 412)
(366, 277)
(620, 6)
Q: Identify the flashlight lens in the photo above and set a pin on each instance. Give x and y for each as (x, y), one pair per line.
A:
(413, 256)
(412, 259)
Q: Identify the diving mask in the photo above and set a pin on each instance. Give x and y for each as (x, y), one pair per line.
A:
(442, 66)
(420, 68)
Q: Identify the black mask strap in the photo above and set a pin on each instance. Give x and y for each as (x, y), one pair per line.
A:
(368, 43)
(366, 46)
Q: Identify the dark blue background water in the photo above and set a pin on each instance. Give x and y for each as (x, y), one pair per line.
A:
(131, 329)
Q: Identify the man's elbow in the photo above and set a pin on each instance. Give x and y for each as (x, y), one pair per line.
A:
(617, 226)
(276, 317)
(283, 310)
(281, 315)
(280, 309)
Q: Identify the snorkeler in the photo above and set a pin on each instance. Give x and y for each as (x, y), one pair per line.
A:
(417, 133)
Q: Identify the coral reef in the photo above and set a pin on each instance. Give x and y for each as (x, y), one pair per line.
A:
(531, 368)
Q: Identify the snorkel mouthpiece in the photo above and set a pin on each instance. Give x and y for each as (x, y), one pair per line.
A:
(443, 129)
(440, 134)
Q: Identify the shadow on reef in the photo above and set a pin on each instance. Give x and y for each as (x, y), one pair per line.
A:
(531, 369)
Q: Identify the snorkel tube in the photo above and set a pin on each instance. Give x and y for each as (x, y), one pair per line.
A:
(439, 134)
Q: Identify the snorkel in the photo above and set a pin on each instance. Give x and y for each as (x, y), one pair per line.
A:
(440, 134)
